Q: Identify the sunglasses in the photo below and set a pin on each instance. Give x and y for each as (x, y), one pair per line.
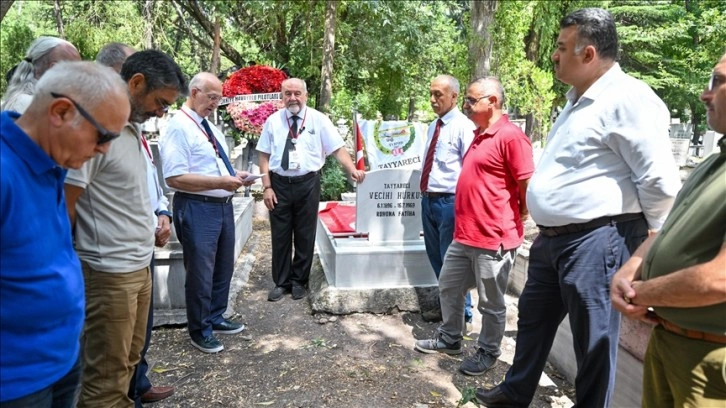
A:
(714, 82)
(104, 136)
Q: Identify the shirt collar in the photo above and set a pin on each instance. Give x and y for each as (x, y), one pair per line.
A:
(24, 147)
(493, 129)
(192, 114)
(450, 115)
(599, 86)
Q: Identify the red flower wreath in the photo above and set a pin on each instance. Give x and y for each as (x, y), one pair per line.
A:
(253, 80)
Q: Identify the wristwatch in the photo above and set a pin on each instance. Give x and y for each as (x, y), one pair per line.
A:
(266, 187)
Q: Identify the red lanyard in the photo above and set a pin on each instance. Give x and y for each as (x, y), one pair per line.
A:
(209, 137)
(146, 146)
(299, 129)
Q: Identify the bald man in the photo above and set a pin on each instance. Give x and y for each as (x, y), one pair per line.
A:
(196, 165)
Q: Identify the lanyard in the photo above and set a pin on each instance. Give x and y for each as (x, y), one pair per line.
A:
(146, 147)
(209, 137)
(299, 129)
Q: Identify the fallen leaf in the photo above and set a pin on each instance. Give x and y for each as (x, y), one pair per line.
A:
(435, 394)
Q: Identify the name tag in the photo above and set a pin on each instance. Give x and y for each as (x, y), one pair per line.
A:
(294, 160)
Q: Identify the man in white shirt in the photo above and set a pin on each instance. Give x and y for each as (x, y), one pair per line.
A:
(605, 178)
(448, 140)
(292, 150)
(196, 164)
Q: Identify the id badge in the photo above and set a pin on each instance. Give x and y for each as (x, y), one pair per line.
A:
(294, 160)
(222, 168)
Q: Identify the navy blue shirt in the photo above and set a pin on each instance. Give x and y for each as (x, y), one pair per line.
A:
(42, 296)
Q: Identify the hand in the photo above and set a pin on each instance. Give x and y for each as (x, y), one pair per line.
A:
(230, 183)
(358, 175)
(269, 198)
(523, 216)
(242, 175)
(163, 231)
(623, 296)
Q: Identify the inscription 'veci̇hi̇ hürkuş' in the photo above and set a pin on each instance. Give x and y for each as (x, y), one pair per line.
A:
(393, 209)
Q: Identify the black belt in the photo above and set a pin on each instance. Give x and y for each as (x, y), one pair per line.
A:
(596, 223)
(294, 179)
(436, 195)
(206, 199)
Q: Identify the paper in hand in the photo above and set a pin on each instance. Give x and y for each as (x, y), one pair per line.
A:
(253, 177)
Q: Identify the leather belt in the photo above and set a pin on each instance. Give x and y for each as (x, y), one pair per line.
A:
(436, 195)
(596, 223)
(294, 179)
(691, 334)
(206, 199)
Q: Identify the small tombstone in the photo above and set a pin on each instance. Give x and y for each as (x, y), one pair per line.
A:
(388, 205)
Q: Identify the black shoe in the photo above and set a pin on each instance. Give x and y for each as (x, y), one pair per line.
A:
(431, 316)
(228, 327)
(276, 293)
(478, 364)
(208, 344)
(299, 292)
(494, 398)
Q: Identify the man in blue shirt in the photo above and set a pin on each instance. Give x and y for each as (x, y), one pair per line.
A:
(41, 288)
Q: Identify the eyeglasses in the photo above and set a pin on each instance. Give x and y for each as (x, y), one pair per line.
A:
(714, 82)
(164, 105)
(104, 136)
(473, 101)
(212, 97)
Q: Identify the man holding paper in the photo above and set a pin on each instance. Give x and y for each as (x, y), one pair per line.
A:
(196, 164)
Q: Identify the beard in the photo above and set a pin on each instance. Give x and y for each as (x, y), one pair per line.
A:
(294, 109)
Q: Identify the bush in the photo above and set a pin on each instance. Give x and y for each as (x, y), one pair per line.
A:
(333, 181)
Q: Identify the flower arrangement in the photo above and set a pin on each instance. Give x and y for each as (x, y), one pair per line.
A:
(253, 80)
(248, 116)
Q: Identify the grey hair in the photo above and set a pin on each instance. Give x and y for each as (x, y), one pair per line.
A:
(201, 79)
(87, 83)
(113, 55)
(305, 86)
(453, 82)
(493, 86)
(37, 60)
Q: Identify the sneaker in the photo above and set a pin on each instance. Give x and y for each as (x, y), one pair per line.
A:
(209, 344)
(478, 364)
(431, 316)
(228, 327)
(437, 345)
(276, 293)
(299, 292)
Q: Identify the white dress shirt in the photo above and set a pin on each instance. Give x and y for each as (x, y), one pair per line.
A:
(608, 154)
(185, 149)
(455, 137)
(318, 139)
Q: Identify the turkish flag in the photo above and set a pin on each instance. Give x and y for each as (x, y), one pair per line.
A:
(359, 162)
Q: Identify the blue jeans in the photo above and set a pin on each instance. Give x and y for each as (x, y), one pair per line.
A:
(61, 394)
(206, 233)
(570, 274)
(437, 217)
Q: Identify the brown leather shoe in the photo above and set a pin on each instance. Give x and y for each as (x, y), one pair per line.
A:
(157, 394)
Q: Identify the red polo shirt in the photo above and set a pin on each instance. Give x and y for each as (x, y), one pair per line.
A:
(487, 194)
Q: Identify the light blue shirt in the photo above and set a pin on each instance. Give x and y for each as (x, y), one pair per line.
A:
(455, 137)
(608, 154)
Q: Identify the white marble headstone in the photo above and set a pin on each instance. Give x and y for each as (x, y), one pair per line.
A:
(388, 205)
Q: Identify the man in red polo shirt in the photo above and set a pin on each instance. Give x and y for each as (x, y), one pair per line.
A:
(490, 210)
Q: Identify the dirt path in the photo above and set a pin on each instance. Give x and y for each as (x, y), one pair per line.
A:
(289, 357)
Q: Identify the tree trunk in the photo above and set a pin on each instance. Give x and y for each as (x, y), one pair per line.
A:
(214, 68)
(5, 7)
(326, 74)
(480, 46)
(192, 7)
(58, 19)
(148, 24)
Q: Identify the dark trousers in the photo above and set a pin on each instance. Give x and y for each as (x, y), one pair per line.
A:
(206, 233)
(570, 274)
(294, 221)
(61, 394)
(437, 217)
(140, 383)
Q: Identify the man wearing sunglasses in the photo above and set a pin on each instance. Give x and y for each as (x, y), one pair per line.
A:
(490, 210)
(109, 200)
(42, 297)
(681, 274)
